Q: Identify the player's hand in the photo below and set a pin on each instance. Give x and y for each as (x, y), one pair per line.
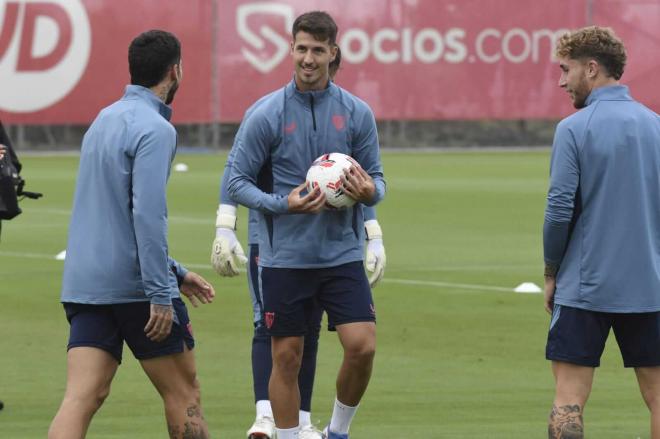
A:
(197, 289)
(549, 293)
(312, 202)
(227, 253)
(357, 184)
(2, 151)
(375, 259)
(160, 322)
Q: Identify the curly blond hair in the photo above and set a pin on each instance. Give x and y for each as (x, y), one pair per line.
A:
(599, 43)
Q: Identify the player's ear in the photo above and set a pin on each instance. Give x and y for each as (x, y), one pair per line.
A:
(592, 68)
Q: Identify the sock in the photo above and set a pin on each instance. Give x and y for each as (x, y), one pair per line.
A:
(308, 368)
(264, 409)
(304, 418)
(261, 363)
(342, 415)
(288, 433)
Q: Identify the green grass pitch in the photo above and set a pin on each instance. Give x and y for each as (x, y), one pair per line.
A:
(459, 354)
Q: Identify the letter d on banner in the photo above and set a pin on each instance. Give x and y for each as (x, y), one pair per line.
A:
(44, 48)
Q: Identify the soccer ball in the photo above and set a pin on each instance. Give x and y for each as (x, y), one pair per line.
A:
(325, 173)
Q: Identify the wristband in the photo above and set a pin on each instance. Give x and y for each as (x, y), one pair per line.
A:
(373, 229)
(226, 217)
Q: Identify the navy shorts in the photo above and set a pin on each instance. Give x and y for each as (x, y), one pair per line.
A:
(314, 322)
(108, 326)
(578, 336)
(292, 296)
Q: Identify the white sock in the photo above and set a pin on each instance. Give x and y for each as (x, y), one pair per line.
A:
(342, 415)
(264, 409)
(288, 433)
(304, 418)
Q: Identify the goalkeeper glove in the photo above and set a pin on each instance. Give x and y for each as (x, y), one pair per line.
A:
(375, 258)
(227, 253)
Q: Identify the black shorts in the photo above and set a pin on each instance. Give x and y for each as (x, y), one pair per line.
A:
(578, 336)
(108, 326)
(292, 296)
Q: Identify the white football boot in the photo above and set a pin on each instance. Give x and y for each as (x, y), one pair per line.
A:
(263, 428)
(310, 432)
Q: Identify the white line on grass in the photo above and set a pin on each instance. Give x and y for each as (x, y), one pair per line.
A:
(172, 218)
(415, 282)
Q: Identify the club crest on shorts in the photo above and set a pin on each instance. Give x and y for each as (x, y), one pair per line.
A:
(372, 308)
(270, 318)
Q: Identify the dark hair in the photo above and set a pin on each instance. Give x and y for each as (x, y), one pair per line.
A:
(319, 24)
(599, 43)
(150, 55)
(333, 67)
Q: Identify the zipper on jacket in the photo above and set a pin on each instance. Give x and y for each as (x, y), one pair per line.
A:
(311, 99)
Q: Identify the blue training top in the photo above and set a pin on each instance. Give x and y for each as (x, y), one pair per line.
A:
(602, 222)
(285, 131)
(117, 246)
(253, 215)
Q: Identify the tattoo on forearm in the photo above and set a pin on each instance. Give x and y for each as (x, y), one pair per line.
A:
(566, 422)
(551, 270)
(162, 309)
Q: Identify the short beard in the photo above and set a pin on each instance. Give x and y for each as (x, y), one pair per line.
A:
(171, 93)
(581, 97)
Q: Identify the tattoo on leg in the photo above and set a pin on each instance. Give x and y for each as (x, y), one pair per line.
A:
(194, 411)
(193, 431)
(174, 431)
(566, 422)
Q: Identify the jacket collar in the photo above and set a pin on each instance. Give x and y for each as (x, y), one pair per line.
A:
(609, 93)
(137, 91)
(304, 96)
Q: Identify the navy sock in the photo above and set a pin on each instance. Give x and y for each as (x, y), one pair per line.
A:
(308, 369)
(262, 363)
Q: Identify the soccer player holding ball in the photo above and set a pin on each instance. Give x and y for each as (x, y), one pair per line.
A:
(309, 254)
(227, 255)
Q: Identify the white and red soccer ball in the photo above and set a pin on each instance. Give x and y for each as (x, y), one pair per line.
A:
(325, 173)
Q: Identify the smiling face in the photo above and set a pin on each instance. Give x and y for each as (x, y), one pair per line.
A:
(574, 79)
(311, 59)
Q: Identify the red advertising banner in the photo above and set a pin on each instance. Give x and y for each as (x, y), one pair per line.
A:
(61, 61)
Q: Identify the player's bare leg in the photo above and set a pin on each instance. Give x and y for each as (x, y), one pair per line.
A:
(283, 386)
(89, 374)
(572, 389)
(175, 378)
(649, 384)
(359, 343)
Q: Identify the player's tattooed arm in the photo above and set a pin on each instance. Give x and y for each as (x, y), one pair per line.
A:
(160, 322)
(566, 422)
(550, 270)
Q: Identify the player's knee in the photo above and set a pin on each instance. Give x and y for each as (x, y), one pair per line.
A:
(184, 388)
(88, 402)
(288, 361)
(652, 400)
(361, 353)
